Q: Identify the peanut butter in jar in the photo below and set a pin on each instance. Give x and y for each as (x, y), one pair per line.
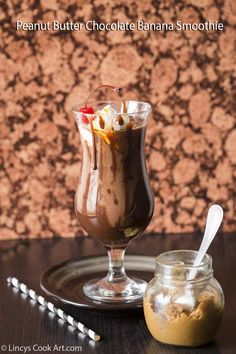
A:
(179, 311)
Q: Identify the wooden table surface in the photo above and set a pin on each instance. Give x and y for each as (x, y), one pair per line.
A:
(25, 324)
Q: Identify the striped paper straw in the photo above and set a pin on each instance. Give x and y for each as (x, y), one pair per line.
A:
(52, 308)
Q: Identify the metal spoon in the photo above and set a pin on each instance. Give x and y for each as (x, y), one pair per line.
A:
(214, 219)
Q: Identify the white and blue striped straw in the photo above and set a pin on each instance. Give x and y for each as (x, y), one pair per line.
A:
(52, 308)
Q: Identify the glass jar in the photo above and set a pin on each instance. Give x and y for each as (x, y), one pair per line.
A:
(183, 304)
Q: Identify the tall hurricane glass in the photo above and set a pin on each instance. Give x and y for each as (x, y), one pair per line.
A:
(114, 201)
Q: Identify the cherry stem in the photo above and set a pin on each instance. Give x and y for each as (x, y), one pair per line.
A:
(117, 89)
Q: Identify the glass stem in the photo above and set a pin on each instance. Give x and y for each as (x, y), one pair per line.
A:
(116, 271)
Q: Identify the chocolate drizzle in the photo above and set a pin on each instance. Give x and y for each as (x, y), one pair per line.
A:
(101, 122)
(114, 163)
(120, 119)
(124, 107)
(94, 144)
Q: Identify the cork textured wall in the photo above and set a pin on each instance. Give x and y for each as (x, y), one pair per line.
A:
(189, 77)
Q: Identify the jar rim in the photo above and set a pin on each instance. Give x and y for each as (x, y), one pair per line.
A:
(207, 259)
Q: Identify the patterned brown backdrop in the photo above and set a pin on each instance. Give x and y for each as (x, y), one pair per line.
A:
(189, 77)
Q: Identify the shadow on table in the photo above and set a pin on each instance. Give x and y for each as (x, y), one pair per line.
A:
(10, 248)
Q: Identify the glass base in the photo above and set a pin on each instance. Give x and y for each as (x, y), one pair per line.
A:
(126, 290)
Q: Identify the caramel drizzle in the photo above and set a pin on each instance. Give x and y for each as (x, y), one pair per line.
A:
(94, 144)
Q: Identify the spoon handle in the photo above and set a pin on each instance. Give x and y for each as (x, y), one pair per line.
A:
(214, 219)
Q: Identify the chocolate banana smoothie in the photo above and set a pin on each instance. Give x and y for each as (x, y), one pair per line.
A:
(114, 202)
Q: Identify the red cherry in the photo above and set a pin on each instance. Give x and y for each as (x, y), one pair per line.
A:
(87, 110)
(90, 110)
